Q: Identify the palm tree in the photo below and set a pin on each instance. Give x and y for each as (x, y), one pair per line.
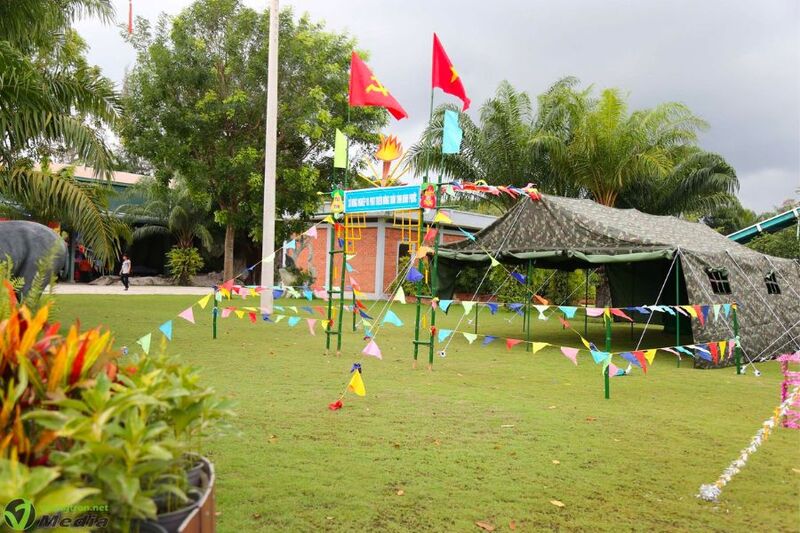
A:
(699, 183)
(52, 101)
(169, 211)
(497, 150)
(601, 148)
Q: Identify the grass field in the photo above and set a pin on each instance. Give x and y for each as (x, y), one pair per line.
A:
(489, 435)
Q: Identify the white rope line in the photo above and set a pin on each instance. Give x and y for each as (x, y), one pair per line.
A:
(764, 301)
(650, 315)
(701, 284)
(478, 288)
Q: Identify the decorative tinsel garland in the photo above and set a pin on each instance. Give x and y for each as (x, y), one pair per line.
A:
(712, 491)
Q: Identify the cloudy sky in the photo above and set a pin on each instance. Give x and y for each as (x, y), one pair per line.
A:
(736, 63)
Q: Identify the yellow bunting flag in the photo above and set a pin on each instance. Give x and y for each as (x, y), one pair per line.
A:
(495, 262)
(328, 219)
(204, 301)
(225, 292)
(722, 346)
(585, 342)
(356, 384)
(325, 324)
(239, 313)
(422, 251)
(400, 295)
(253, 292)
(441, 217)
(650, 355)
(539, 345)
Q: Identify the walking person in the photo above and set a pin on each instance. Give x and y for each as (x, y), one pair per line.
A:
(125, 271)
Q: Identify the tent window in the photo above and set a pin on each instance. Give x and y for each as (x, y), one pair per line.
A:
(772, 283)
(718, 277)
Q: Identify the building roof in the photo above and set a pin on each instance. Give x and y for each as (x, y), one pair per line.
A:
(88, 173)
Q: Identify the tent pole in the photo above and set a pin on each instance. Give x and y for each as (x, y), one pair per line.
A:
(528, 310)
(477, 307)
(677, 302)
(585, 305)
(354, 309)
(737, 351)
(607, 319)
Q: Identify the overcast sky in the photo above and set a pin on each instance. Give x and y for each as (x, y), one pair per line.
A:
(735, 63)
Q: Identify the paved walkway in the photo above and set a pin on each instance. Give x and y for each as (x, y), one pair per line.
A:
(83, 288)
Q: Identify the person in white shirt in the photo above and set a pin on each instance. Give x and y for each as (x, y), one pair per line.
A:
(125, 271)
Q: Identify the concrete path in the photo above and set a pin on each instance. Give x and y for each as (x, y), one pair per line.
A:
(83, 288)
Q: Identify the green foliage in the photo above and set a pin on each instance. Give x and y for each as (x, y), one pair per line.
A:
(783, 243)
(195, 103)
(580, 145)
(728, 219)
(183, 263)
(54, 104)
(169, 209)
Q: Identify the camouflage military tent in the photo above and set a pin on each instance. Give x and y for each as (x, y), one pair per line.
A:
(637, 251)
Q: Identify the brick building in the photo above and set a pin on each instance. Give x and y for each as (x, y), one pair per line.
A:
(380, 247)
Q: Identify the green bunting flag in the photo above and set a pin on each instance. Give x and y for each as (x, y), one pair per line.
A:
(340, 151)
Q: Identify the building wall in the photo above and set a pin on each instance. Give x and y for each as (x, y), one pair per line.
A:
(366, 260)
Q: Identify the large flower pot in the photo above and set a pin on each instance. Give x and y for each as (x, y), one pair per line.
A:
(172, 520)
(203, 518)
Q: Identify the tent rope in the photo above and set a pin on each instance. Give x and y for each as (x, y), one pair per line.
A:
(765, 302)
(660, 292)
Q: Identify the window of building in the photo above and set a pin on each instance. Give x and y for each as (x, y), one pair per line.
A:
(772, 283)
(718, 277)
(404, 251)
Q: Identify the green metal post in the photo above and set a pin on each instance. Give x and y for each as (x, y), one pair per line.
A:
(332, 259)
(528, 347)
(435, 271)
(585, 306)
(354, 311)
(341, 286)
(418, 288)
(214, 313)
(677, 302)
(737, 352)
(477, 307)
(607, 320)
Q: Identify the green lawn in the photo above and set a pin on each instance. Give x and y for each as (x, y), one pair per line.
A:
(478, 438)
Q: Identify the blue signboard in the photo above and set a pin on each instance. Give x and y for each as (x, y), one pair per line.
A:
(382, 199)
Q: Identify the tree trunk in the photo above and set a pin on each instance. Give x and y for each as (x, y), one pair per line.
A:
(227, 269)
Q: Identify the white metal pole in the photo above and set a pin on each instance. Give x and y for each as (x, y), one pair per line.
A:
(268, 228)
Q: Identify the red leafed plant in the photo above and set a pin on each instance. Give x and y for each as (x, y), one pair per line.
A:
(38, 364)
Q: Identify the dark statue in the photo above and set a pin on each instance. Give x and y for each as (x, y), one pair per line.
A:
(27, 242)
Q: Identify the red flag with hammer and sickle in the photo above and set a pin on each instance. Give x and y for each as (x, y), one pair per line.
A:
(444, 74)
(366, 90)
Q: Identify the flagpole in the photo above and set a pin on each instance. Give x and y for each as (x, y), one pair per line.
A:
(270, 148)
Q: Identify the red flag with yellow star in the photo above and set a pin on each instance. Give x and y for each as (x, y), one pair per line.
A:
(444, 74)
(366, 90)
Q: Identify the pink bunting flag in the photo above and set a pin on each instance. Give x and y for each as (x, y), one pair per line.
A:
(372, 349)
(322, 294)
(311, 323)
(354, 283)
(226, 312)
(312, 232)
(612, 369)
(187, 315)
(594, 311)
(620, 313)
(510, 343)
(571, 354)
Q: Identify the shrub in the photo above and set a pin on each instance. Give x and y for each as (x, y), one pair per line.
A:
(183, 263)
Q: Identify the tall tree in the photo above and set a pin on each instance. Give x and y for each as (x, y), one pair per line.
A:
(53, 104)
(195, 104)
